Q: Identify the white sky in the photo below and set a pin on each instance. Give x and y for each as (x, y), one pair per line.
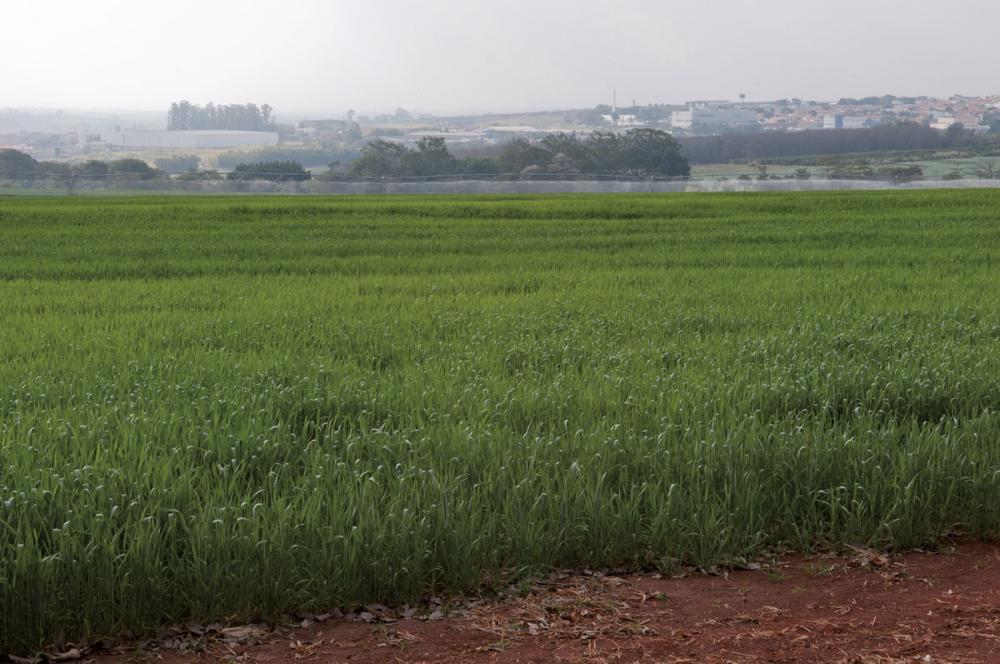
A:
(469, 55)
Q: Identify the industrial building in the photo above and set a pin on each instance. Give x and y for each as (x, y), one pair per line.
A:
(847, 122)
(132, 139)
(711, 117)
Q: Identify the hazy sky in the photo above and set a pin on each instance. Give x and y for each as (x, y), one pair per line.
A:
(464, 55)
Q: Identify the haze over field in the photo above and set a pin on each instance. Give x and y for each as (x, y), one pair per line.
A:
(455, 55)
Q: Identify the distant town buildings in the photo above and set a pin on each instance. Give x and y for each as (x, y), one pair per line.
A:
(330, 129)
(59, 138)
(974, 113)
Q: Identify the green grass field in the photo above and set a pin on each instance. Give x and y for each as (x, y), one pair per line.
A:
(219, 407)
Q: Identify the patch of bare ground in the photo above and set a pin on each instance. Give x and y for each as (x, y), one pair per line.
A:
(863, 608)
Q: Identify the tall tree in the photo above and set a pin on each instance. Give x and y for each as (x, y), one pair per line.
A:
(569, 151)
(380, 158)
(605, 148)
(132, 169)
(93, 170)
(173, 117)
(652, 152)
(249, 117)
(518, 154)
(430, 158)
(15, 164)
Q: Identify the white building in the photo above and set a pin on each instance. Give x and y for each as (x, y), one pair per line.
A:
(132, 139)
(702, 116)
(617, 119)
(968, 122)
(846, 122)
(856, 122)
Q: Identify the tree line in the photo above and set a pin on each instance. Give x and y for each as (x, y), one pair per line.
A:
(245, 117)
(275, 171)
(770, 145)
(308, 157)
(16, 165)
(637, 152)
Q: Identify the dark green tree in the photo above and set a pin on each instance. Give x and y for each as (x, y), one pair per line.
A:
(605, 149)
(380, 158)
(955, 134)
(93, 170)
(200, 176)
(430, 158)
(55, 169)
(518, 154)
(652, 152)
(569, 151)
(274, 171)
(132, 169)
(181, 163)
(477, 166)
(15, 164)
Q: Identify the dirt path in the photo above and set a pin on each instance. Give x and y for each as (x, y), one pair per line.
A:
(862, 609)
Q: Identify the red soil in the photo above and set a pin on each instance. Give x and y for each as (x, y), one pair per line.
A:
(862, 609)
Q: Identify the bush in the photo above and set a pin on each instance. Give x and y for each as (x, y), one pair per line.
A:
(274, 171)
(200, 176)
(308, 157)
(901, 173)
(477, 166)
(178, 164)
(133, 169)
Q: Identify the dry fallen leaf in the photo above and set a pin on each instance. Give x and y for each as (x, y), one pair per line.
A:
(24, 660)
(302, 650)
(197, 630)
(867, 558)
(243, 633)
